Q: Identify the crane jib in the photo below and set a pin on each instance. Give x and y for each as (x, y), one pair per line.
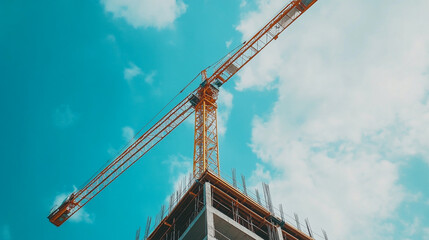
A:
(252, 47)
(203, 97)
(134, 152)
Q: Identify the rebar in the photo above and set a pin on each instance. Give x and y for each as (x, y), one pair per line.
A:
(297, 221)
(146, 232)
(267, 196)
(243, 179)
(307, 223)
(324, 234)
(234, 178)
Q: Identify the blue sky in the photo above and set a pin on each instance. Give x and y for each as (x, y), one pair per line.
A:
(334, 114)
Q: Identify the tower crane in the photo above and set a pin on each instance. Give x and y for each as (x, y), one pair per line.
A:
(202, 101)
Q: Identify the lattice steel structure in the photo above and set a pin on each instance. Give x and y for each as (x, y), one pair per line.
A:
(206, 150)
(203, 101)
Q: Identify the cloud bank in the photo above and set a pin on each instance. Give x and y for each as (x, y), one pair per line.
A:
(224, 109)
(353, 86)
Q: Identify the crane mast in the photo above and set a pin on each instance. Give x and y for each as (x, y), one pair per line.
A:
(206, 151)
(203, 101)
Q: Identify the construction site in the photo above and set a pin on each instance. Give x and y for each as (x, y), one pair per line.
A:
(213, 208)
(208, 204)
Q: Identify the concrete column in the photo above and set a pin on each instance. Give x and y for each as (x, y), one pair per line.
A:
(209, 211)
(279, 232)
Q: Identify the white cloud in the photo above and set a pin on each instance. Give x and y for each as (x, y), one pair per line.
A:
(146, 13)
(228, 43)
(353, 104)
(131, 72)
(259, 175)
(224, 109)
(150, 77)
(128, 133)
(190, 121)
(64, 117)
(80, 216)
(5, 232)
(412, 228)
(243, 3)
(179, 164)
(180, 167)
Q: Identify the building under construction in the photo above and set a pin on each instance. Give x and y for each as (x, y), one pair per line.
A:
(211, 208)
(207, 206)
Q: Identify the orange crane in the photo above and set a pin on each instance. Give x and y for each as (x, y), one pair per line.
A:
(202, 101)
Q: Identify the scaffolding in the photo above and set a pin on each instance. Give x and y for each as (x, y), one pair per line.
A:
(213, 208)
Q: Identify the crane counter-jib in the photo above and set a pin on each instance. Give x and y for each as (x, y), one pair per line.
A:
(202, 101)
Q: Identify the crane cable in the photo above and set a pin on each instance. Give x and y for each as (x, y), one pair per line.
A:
(128, 144)
(156, 115)
(180, 92)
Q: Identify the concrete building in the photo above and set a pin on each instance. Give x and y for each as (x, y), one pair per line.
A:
(211, 208)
